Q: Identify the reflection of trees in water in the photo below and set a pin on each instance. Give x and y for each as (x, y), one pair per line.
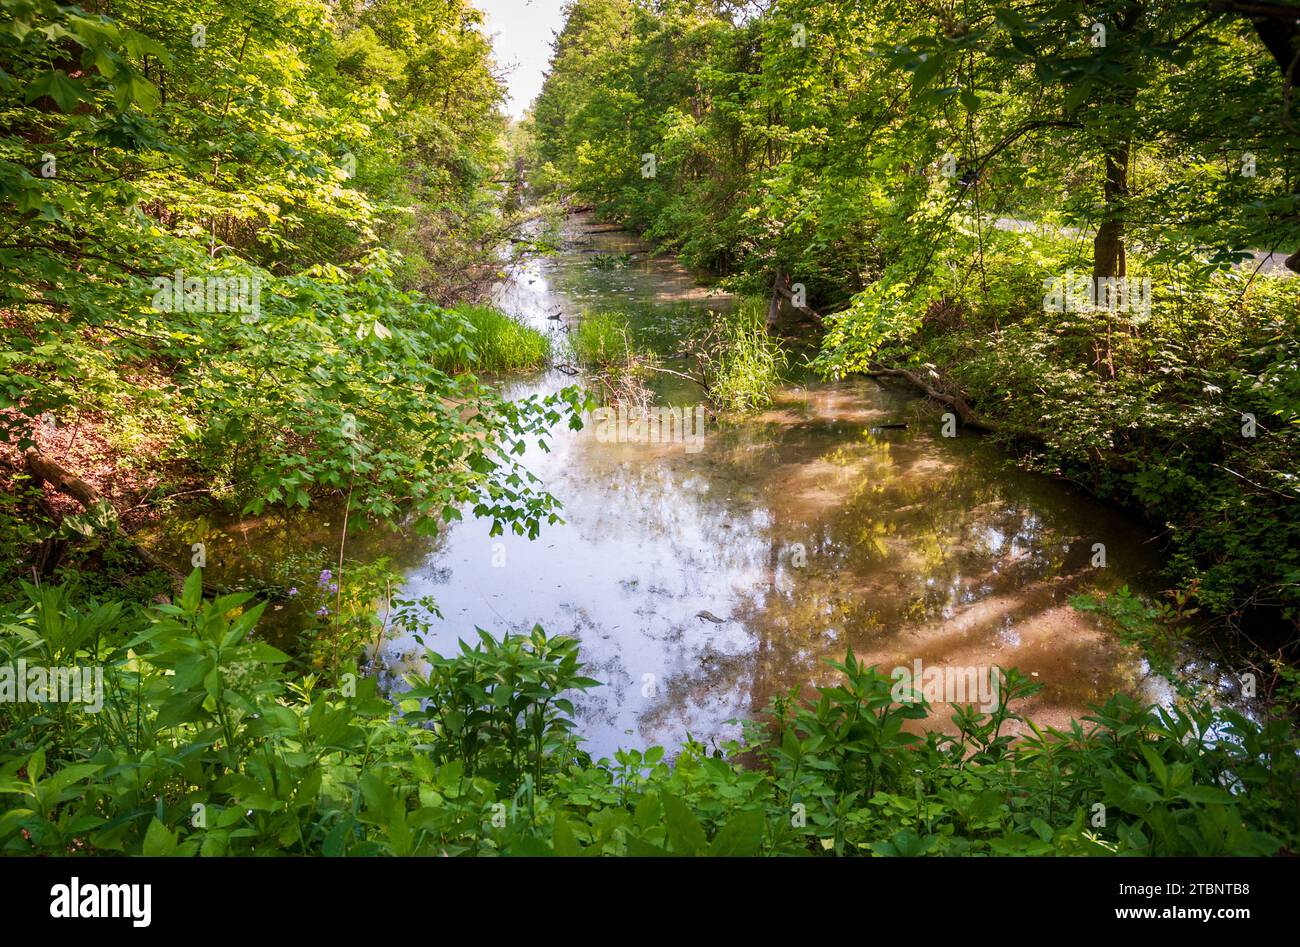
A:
(897, 516)
(898, 531)
(680, 514)
(708, 687)
(921, 533)
(288, 546)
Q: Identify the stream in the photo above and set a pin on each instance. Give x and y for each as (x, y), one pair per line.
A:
(704, 577)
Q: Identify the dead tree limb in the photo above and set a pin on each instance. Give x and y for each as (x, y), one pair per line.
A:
(774, 304)
(972, 419)
(781, 288)
(45, 470)
(960, 406)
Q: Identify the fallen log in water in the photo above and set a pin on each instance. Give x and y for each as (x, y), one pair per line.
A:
(44, 469)
(965, 413)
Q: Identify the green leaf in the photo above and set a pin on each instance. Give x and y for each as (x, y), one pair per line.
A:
(530, 846)
(1206, 795)
(69, 775)
(1077, 95)
(36, 765)
(192, 591)
(267, 654)
(925, 71)
(742, 836)
(158, 840)
(138, 90)
(56, 84)
(178, 709)
(563, 840)
(1156, 763)
(1023, 45)
(638, 847)
(1010, 19)
(685, 834)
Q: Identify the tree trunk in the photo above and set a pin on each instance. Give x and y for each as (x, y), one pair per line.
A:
(1108, 255)
(1279, 31)
(1108, 248)
(774, 305)
(517, 186)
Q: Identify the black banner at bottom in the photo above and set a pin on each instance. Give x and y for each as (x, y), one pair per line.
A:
(165, 898)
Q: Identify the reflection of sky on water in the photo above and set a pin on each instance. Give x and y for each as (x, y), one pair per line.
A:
(802, 528)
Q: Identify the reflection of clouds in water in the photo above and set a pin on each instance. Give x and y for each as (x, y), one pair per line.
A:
(913, 547)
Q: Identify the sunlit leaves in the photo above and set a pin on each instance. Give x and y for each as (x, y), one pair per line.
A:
(221, 159)
(137, 90)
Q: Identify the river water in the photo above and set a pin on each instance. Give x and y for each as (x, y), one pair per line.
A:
(704, 578)
(807, 529)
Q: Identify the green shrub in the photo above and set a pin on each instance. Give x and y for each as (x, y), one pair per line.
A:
(208, 742)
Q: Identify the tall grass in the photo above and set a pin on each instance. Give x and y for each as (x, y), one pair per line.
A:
(497, 343)
(617, 368)
(739, 362)
(601, 339)
(743, 363)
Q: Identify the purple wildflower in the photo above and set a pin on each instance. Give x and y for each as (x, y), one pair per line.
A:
(322, 612)
(293, 592)
(325, 577)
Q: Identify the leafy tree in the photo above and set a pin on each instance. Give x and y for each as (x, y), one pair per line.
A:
(199, 202)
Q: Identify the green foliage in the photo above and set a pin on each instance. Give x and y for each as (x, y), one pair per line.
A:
(1169, 434)
(209, 743)
(497, 707)
(335, 160)
(741, 362)
(619, 366)
(922, 171)
(497, 343)
(602, 339)
(224, 251)
(611, 261)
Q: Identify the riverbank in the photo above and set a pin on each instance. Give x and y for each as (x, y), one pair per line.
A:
(959, 201)
(693, 586)
(1200, 442)
(1200, 448)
